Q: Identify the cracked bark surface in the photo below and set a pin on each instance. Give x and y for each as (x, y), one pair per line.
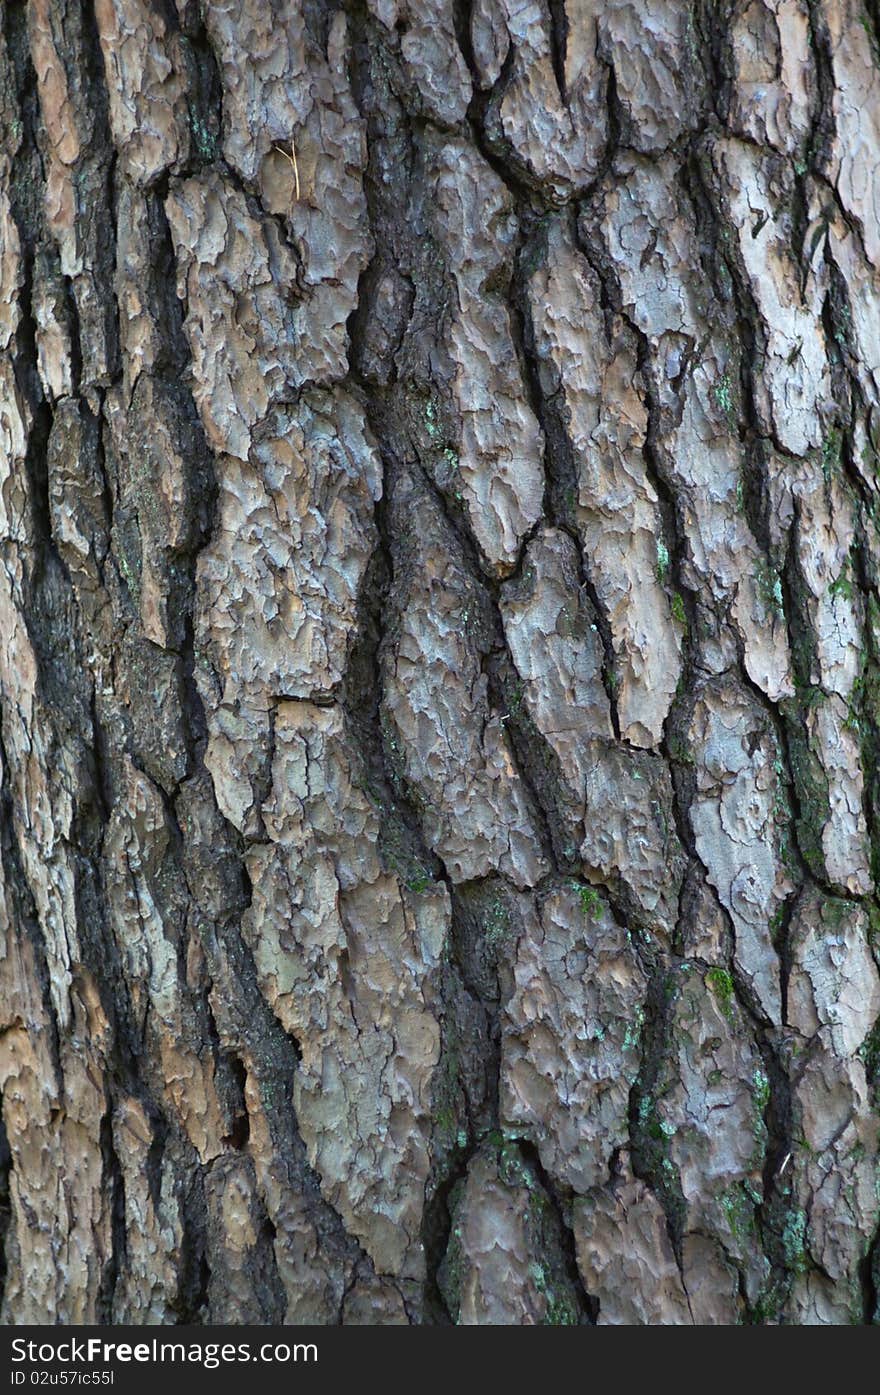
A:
(440, 661)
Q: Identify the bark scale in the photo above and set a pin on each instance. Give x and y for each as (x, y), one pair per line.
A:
(439, 644)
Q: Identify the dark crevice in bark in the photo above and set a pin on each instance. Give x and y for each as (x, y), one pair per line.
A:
(532, 757)
(436, 1234)
(741, 329)
(646, 1138)
(5, 1202)
(264, 217)
(20, 899)
(588, 1304)
(191, 1300)
(803, 774)
(822, 123)
(156, 1152)
(362, 690)
(76, 360)
(673, 750)
(486, 132)
(97, 170)
(560, 467)
(240, 1131)
(25, 180)
(469, 1109)
(712, 23)
(279, 1054)
(872, 12)
(102, 785)
(558, 31)
(401, 837)
(108, 500)
(591, 244)
(863, 573)
(528, 747)
(204, 89)
(869, 1274)
(774, 1212)
(673, 538)
(113, 1185)
(173, 366)
(41, 545)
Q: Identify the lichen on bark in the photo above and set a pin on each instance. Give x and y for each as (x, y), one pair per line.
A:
(439, 662)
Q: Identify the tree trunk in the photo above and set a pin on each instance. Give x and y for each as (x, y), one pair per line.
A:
(440, 663)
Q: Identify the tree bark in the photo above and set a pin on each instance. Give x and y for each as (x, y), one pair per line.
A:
(440, 661)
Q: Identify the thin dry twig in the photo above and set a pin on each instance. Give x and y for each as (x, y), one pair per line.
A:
(291, 156)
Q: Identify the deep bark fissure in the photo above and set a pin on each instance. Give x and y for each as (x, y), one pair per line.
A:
(255, 709)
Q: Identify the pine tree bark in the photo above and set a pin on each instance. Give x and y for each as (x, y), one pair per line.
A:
(439, 657)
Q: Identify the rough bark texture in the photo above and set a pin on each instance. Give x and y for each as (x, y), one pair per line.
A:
(440, 660)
